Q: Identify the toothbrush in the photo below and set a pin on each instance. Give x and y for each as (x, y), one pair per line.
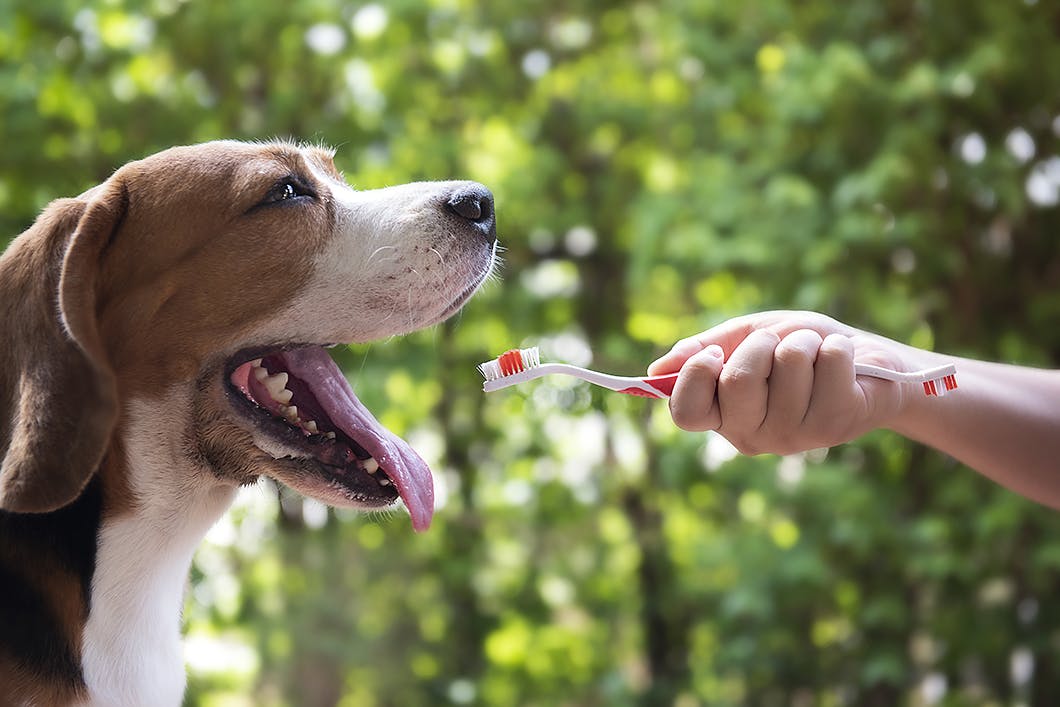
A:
(521, 365)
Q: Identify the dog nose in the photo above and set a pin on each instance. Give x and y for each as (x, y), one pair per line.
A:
(474, 203)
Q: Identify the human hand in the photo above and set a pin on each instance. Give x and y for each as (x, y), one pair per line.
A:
(783, 382)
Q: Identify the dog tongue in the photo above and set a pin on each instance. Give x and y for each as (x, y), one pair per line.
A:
(410, 474)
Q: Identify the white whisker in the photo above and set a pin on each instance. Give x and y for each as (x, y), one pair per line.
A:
(379, 250)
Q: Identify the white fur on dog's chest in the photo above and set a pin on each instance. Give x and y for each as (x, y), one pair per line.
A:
(131, 647)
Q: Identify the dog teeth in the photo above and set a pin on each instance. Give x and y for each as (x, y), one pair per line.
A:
(329, 435)
(276, 383)
(384, 481)
(371, 465)
(311, 426)
(291, 413)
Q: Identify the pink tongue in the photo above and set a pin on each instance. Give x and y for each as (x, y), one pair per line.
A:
(410, 474)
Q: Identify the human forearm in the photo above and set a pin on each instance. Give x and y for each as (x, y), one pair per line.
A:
(1003, 421)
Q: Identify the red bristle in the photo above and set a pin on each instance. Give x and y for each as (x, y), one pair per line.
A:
(951, 382)
(511, 362)
(927, 387)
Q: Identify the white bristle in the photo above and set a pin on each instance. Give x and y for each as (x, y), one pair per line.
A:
(491, 370)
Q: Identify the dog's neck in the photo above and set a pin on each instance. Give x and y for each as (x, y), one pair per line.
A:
(131, 647)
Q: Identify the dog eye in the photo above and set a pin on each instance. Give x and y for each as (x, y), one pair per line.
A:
(286, 190)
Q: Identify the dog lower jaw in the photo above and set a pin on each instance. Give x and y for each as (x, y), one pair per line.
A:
(234, 448)
(332, 485)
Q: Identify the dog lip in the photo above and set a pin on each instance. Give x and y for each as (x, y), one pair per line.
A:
(461, 299)
(469, 291)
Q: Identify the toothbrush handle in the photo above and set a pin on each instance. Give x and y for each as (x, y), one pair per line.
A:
(663, 386)
(652, 386)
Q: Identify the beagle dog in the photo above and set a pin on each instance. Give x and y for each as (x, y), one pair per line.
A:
(164, 342)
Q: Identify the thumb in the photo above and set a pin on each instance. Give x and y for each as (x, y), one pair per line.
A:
(694, 406)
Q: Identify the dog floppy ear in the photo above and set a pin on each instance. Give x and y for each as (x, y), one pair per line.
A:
(58, 398)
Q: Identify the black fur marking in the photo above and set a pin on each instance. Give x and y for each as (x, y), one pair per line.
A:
(62, 541)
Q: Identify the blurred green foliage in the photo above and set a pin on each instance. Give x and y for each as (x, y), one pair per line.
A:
(658, 167)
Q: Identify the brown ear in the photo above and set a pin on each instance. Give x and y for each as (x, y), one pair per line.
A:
(58, 401)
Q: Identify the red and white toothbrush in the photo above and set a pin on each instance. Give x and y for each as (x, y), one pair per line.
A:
(521, 365)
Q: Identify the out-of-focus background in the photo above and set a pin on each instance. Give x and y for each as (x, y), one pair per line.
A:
(658, 166)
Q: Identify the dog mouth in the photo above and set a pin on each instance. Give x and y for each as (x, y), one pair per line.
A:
(300, 399)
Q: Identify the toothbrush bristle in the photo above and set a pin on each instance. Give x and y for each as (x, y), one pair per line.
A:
(509, 363)
(940, 386)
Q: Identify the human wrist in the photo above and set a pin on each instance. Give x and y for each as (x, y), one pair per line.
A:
(916, 413)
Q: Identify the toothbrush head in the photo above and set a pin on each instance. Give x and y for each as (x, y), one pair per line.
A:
(509, 363)
(941, 385)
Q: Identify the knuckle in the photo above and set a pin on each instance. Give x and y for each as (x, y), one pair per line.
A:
(736, 377)
(836, 347)
(834, 342)
(792, 354)
(801, 347)
(697, 366)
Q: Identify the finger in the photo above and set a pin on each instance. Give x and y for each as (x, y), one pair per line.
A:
(731, 333)
(692, 405)
(836, 401)
(791, 382)
(742, 386)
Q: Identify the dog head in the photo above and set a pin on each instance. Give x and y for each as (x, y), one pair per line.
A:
(202, 284)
